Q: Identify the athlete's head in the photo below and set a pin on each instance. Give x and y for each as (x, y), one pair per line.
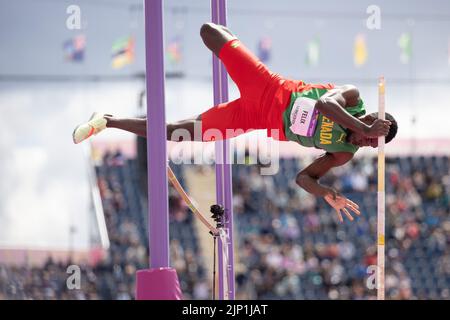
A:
(362, 141)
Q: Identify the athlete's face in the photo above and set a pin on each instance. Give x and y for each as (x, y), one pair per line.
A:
(363, 141)
(360, 140)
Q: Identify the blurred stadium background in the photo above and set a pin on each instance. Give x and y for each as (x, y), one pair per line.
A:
(62, 204)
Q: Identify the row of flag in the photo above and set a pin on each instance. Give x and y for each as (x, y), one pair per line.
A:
(123, 50)
(360, 51)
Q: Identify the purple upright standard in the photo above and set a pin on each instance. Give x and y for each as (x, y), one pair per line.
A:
(160, 282)
(223, 167)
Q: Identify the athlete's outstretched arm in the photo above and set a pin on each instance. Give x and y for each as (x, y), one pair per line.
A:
(333, 103)
(308, 179)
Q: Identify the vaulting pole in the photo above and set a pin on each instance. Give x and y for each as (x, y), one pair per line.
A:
(381, 197)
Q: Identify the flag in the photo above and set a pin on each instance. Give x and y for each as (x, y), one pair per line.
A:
(74, 48)
(264, 49)
(449, 51)
(122, 52)
(360, 53)
(405, 44)
(173, 51)
(313, 52)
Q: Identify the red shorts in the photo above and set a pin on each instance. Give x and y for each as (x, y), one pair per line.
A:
(264, 97)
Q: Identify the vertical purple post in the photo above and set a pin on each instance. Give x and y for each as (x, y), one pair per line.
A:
(161, 281)
(156, 132)
(224, 191)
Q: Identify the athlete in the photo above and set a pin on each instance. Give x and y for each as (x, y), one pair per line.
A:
(324, 116)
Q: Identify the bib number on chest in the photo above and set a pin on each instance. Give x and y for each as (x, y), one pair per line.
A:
(304, 117)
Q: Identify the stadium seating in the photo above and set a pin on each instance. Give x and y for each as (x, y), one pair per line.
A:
(291, 245)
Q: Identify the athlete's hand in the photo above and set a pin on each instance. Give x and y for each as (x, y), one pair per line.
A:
(378, 128)
(339, 202)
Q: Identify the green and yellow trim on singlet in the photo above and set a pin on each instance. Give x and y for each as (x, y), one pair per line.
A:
(328, 135)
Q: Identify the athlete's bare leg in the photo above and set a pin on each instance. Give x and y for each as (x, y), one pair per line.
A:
(139, 126)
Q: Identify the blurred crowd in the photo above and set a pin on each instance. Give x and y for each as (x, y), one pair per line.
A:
(290, 244)
(293, 247)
